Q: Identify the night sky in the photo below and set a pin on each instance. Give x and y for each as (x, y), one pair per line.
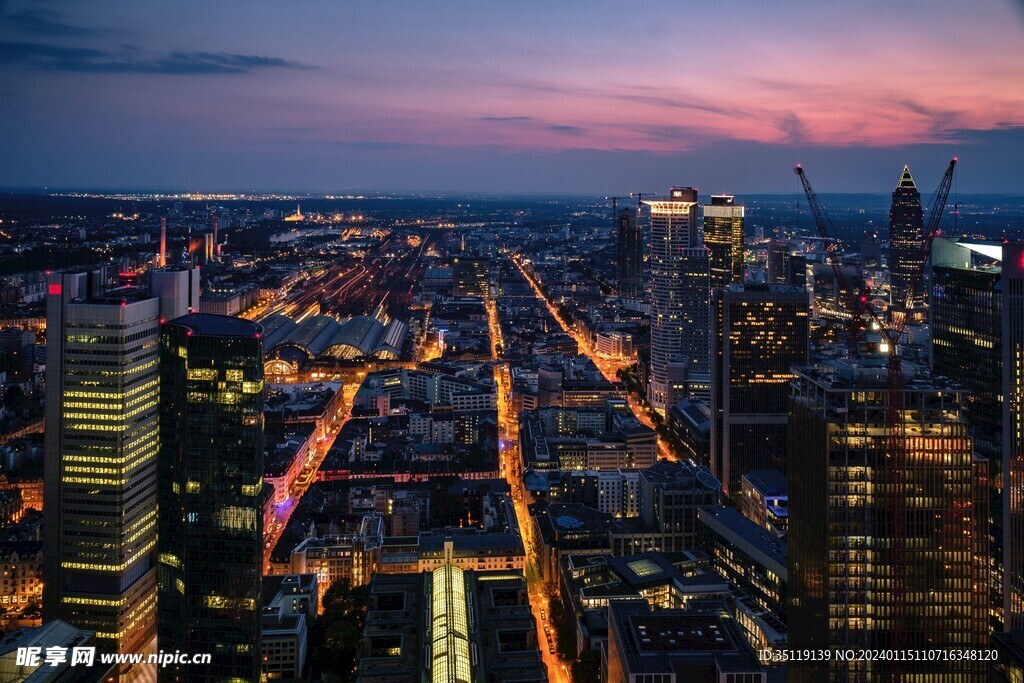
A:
(563, 97)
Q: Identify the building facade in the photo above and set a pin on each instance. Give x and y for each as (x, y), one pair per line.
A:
(471, 277)
(884, 556)
(101, 459)
(723, 236)
(680, 293)
(629, 251)
(211, 469)
(966, 317)
(761, 333)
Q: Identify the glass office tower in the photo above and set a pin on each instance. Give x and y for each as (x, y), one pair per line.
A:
(211, 469)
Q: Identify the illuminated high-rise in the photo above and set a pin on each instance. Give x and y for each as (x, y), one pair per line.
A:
(211, 470)
(101, 452)
(680, 294)
(471, 276)
(723, 236)
(880, 556)
(906, 240)
(629, 251)
(761, 332)
(977, 329)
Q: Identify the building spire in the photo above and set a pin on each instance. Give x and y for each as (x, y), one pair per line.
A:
(906, 180)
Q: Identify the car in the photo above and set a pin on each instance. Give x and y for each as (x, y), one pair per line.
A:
(551, 648)
(543, 615)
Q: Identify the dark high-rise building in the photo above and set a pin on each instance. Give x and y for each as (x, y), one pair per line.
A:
(973, 282)
(786, 266)
(870, 250)
(761, 333)
(850, 532)
(680, 295)
(471, 277)
(906, 240)
(211, 469)
(629, 250)
(723, 236)
(101, 452)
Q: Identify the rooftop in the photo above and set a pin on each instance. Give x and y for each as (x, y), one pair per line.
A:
(768, 482)
(209, 325)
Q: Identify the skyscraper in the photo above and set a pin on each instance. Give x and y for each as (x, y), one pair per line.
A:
(629, 245)
(873, 563)
(101, 452)
(723, 236)
(763, 332)
(974, 284)
(1013, 431)
(471, 277)
(786, 266)
(906, 240)
(680, 294)
(211, 469)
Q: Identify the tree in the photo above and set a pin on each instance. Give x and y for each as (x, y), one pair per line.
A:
(587, 667)
(340, 629)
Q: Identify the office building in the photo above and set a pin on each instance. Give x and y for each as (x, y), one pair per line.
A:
(966, 315)
(754, 560)
(764, 500)
(471, 277)
(786, 265)
(101, 453)
(906, 241)
(629, 251)
(760, 333)
(700, 643)
(211, 469)
(680, 294)
(723, 236)
(884, 556)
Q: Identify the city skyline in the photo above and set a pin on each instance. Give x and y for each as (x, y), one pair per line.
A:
(533, 99)
(478, 341)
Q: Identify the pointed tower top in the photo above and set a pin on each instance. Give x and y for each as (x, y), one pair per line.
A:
(906, 180)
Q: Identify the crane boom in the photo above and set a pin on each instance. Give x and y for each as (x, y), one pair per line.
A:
(857, 298)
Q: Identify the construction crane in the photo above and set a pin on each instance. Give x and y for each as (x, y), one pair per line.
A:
(615, 204)
(861, 310)
(857, 297)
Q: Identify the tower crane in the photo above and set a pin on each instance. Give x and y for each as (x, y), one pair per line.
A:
(860, 309)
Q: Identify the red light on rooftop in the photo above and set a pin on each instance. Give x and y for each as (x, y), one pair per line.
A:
(55, 288)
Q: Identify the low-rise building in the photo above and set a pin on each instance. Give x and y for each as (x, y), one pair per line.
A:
(700, 643)
(585, 438)
(764, 500)
(21, 573)
(54, 634)
(289, 603)
(752, 558)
